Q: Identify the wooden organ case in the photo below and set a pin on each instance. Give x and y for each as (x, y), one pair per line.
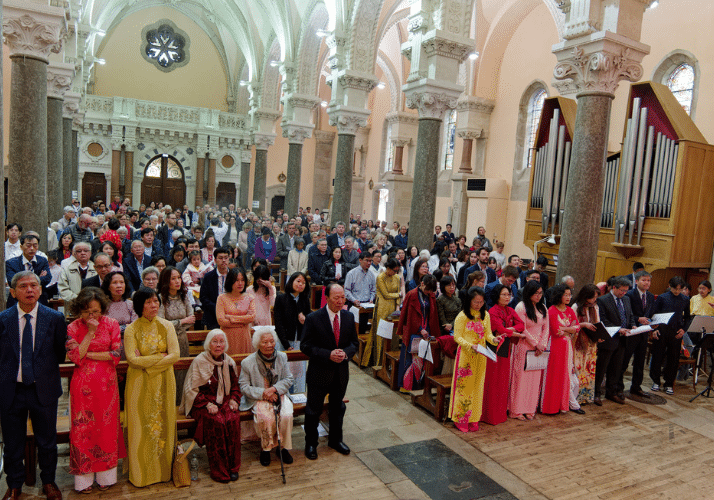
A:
(658, 200)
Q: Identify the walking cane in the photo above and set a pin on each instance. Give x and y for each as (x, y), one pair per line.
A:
(276, 409)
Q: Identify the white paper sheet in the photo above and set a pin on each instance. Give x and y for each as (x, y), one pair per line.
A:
(299, 398)
(661, 319)
(641, 329)
(425, 350)
(487, 352)
(612, 330)
(385, 329)
(355, 312)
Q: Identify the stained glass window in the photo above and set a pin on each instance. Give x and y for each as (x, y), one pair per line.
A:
(165, 46)
(681, 83)
(535, 107)
(450, 130)
(154, 168)
(173, 170)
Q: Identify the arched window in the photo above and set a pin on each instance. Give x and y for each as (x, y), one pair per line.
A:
(450, 135)
(681, 83)
(535, 106)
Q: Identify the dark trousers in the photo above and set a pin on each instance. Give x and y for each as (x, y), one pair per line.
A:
(635, 349)
(608, 363)
(14, 429)
(666, 348)
(316, 392)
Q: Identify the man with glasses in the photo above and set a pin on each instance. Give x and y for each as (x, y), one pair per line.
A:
(29, 261)
(508, 279)
(103, 265)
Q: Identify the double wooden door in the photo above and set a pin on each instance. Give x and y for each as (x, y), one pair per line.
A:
(164, 182)
(94, 188)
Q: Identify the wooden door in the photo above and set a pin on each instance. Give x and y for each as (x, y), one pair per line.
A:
(94, 188)
(226, 194)
(164, 182)
(277, 203)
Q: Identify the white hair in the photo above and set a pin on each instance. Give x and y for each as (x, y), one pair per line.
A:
(209, 337)
(424, 254)
(262, 330)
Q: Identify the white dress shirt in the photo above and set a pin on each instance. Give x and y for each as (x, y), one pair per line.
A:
(23, 321)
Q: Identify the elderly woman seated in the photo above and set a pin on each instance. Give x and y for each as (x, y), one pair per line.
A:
(264, 381)
(211, 396)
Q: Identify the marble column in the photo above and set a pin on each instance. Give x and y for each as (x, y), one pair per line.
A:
(74, 179)
(292, 185)
(618, 58)
(260, 181)
(398, 157)
(55, 159)
(322, 169)
(211, 181)
(129, 174)
(243, 201)
(67, 160)
(200, 161)
(342, 193)
(116, 171)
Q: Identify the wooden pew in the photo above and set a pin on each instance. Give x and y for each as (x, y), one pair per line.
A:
(426, 398)
(387, 371)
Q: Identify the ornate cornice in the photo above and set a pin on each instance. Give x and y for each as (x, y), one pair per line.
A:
(59, 79)
(34, 31)
(263, 141)
(447, 48)
(599, 62)
(478, 104)
(470, 134)
(302, 101)
(296, 133)
(358, 82)
(70, 108)
(348, 121)
(402, 117)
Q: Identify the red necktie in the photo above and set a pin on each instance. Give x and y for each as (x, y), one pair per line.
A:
(336, 329)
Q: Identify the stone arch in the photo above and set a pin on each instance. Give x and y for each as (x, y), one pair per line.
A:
(271, 77)
(362, 52)
(309, 50)
(521, 174)
(390, 72)
(673, 60)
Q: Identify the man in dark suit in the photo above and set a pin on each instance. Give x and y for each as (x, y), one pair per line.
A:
(32, 345)
(615, 310)
(29, 261)
(164, 232)
(337, 239)
(103, 265)
(330, 340)
(642, 302)
(213, 285)
(286, 242)
(481, 265)
(135, 263)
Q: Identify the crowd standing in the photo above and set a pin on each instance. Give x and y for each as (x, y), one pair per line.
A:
(135, 281)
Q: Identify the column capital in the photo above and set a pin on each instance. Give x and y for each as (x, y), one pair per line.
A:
(432, 98)
(34, 31)
(263, 141)
(296, 133)
(59, 79)
(471, 134)
(348, 120)
(72, 100)
(596, 63)
(245, 156)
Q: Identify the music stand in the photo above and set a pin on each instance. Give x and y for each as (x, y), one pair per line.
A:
(705, 326)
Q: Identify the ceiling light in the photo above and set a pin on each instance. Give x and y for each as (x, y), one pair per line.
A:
(100, 61)
(243, 83)
(275, 64)
(322, 33)
(100, 32)
(473, 56)
(654, 4)
(323, 104)
(381, 85)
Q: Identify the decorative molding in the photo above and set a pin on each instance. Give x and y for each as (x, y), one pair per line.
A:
(263, 141)
(302, 101)
(471, 134)
(59, 79)
(599, 63)
(348, 121)
(447, 48)
(296, 133)
(245, 156)
(351, 81)
(431, 104)
(33, 31)
(478, 104)
(71, 106)
(402, 117)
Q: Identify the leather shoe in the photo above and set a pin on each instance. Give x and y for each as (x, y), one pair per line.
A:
(52, 491)
(285, 455)
(579, 411)
(615, 398)
(12, 494)
(639, 394)
(597, 401)
(311, 452)
(340, 447)
(234, 476)
(264, 458)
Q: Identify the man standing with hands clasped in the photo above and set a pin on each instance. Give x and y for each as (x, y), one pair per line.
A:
(330, 340)
(32, 345)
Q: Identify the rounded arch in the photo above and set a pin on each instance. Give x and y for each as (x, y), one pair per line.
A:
(309, 49)
(393, 79)
(164, 180)
(363, 41)
(521, 173)
(672, 61)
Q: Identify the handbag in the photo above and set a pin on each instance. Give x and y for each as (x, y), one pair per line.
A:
(181, 470)
(414, 346)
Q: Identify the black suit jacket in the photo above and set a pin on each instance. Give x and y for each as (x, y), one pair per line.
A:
(14, 266)
(610, 316)
(636, 304)
(132, 272)
(49, 352)
(318, 341)
(286, 310)
(208, 297)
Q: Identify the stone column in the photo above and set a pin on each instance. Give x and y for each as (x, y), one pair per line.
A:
(322, 173)
(465, 167)
(129, 174)
(260, 176)
(591, 66)
(68, 159)
(59, 80)
(74, 179)
(211, 181)
(243, 201)
(31, 35)
(296, 135)
(200, 161)
(116, 170)
(398, 156)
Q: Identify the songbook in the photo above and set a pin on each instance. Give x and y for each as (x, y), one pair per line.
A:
(534, 362)
(355, 312)
(661, 318)
(384, 329)
(425, 350)
(298, 398)
(638, 330)
(604, 332)
(501, 349)
(487, 352)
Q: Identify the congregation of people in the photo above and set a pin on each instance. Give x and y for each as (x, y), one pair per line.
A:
(134, 282)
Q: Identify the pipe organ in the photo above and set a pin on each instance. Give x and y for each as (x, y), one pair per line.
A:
(658, 196)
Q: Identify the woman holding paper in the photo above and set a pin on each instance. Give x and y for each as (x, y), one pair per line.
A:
(506, 323)
(584, 348)
(472, 329)
(563, 326)
(525, 384)
(387, 299)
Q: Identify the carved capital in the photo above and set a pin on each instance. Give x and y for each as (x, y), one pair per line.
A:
(117, 143)
(263, 141)
(34, 31)
(302, 101)
(70, 108)
(59, 79)
(447, 48)
(432, 98)
(599, 62)
(245, 156)
(477, 104)
(296, 133)
(265, 114)
(348, 121)
(402, 117)
(351, 81)
(400, 143)
(470, 134)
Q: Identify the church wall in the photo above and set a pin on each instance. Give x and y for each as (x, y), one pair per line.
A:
(201, 82)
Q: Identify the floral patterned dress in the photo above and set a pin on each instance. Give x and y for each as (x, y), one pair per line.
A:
(96, 440)
(150, 399)
(585, 355)
(470, 367)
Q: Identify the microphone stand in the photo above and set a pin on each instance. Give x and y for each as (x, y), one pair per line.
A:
(276, 410)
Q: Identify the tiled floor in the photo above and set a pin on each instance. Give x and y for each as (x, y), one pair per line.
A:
(633, 451)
